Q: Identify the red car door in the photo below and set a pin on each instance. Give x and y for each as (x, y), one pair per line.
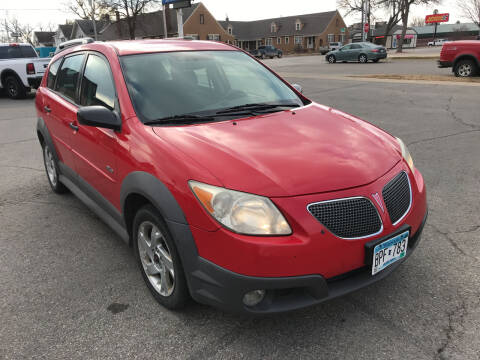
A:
(59, 109)
(94, 148)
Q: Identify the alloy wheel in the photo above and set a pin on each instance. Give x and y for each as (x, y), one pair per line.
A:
(363, 59)
(465, 70)
(156, 258)
(50, 166)
(12, 89)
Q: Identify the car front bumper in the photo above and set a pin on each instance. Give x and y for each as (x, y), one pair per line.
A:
(213, 285)
(444, 64)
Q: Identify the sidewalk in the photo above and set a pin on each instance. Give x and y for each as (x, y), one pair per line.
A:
(418, 53)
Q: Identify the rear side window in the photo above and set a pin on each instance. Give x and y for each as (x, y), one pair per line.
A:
(17, 52)
(356, 46)
(52, 74)
(97, 84)
(69, 75)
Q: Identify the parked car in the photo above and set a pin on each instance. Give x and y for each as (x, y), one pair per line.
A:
(335, 45)
(267, 51)
(462, 56)
(184, 149)
(20, 69)
(438, 42)
(361, 52)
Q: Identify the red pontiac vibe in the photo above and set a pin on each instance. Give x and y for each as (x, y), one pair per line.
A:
(231, 186)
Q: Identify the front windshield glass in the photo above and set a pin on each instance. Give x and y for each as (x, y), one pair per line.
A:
(171, 84)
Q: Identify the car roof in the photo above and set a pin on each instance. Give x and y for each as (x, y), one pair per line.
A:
(129, 47)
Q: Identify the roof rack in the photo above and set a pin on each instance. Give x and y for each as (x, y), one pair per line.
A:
(68, 44)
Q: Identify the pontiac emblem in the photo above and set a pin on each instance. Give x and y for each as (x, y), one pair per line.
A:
(378, 200)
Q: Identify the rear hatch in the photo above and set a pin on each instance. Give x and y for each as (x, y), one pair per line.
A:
(40, 65)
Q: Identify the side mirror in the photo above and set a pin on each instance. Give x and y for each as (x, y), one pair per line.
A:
(298, 88)
(99, 116)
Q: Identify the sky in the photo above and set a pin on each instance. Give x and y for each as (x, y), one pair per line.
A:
(36, 12)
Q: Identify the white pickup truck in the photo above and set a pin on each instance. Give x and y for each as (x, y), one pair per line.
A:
(20, 69)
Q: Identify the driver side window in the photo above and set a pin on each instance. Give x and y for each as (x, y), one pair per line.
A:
(97, 84)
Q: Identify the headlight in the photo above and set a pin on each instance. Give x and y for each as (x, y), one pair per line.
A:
(241, 212)
(406, 154)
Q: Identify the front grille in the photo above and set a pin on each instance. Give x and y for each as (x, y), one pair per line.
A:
(348, 218)
(397, 196)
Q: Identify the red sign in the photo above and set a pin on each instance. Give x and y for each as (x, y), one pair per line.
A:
(437, 18)
(367, 27)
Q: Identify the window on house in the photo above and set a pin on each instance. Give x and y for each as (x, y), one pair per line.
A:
(273, 28)
(193, 36)
(230, 31)
(202, 19)
(298, 40)
(337, 22)
(342, 38)
(331, 38)
(279, 40)
(213, 37)
(269, 41)
(298, 26)
(287, 40)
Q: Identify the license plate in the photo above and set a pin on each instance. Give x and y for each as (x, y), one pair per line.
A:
(390, 251)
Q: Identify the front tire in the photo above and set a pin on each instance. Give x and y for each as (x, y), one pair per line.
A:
(51, 167)
(465, 68)
(332, 59)
(15, 89)
(158, 259)
(280, 55)
(363, 59)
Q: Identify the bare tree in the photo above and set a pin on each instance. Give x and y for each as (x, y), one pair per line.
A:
(129, 9)
(13, 26)
(417, 21)
(470, 9)
(83, 10)
(356, 7)
(405, 7)
(392, 7)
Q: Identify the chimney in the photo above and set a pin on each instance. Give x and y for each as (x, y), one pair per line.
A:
(118, 24)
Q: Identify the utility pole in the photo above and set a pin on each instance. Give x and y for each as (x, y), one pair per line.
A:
(363, 20)
(92, 6)
(180, 22)
(165, 32)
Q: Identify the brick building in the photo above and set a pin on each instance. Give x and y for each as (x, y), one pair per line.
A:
(293, 33)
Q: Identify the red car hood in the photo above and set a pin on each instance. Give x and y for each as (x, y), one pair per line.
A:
(309, 150)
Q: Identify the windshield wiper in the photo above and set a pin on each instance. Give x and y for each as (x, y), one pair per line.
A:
(256, 107)
(180, 119)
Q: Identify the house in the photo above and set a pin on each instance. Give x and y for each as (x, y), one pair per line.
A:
(198, 23)
(43, 38)
(84, 28)
(293, 33)
(63, 33)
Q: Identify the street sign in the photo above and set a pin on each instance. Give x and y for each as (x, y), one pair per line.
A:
(182, 4)
(437, 18)
(167, 2)
(367, 27)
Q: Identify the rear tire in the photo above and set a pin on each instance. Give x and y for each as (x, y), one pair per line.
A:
(465, 68)
(158, 259)
(332, 59)
(14, 87)
(363, 59)
(51, 167)
(280, 55)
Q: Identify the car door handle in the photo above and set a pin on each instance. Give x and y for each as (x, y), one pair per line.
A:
(73, 126)
(47, 109)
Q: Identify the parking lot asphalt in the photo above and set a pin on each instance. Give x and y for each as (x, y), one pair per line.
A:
(71, 289)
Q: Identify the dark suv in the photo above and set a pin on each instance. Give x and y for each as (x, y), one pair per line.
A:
(267, 51)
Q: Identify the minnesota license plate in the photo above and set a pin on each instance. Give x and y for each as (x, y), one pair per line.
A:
(389, 252)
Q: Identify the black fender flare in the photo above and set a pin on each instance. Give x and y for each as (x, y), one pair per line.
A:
(42, 131)
(157, 193)
(5, 73)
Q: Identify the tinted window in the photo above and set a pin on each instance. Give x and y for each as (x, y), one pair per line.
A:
(356, 46)
(68, 76)
(346, 47)
(17, 52)
(177, 83)
(52, 73)
(97, 84)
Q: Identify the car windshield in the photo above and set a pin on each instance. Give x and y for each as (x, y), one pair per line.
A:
(165, 85)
